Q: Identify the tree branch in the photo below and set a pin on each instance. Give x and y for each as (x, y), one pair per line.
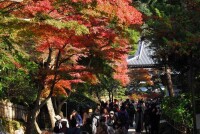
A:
(48, 59)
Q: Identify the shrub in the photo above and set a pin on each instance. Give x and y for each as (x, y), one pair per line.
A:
(179, 109)
(10, 125)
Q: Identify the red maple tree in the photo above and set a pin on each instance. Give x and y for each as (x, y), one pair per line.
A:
(70, 35)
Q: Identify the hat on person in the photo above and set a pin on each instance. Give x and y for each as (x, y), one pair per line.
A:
(90, 110)
(74, 111)
(57, 117)
(111, 112)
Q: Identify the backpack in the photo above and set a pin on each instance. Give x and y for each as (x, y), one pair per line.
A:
(56, 128)
(98, 120)
(132, 109)
(122, 117)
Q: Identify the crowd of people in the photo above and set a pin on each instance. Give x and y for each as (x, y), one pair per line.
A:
(113, 118)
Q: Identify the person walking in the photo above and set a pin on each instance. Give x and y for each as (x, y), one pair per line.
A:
(102, 128)
(131, 112)
(105, 113)
(123, 120)
(75, 123)
(155, 118)
(110, 123)
(146, 120)
(139, 117)
(95, 120)
(65, 126)
(57, 125)
(87, 121)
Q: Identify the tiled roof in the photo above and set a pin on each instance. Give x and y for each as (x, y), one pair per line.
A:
(143, 57)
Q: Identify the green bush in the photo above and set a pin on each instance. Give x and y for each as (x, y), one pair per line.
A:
(10, 125)
(179, 109)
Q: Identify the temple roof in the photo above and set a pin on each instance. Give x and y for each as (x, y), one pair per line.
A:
(143, 57)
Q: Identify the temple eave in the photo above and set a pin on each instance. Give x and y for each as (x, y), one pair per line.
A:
(144, 66)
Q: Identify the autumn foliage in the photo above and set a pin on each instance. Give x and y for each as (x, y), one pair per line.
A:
(141, 75)
(71, 38)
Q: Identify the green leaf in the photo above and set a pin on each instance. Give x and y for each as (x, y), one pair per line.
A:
(71, 25)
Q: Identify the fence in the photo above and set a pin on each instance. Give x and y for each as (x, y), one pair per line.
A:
(11, 111)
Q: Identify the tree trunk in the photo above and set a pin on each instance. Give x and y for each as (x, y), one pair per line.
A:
(31, 120)
(169, 81)
(30, 126)
(51, 112)
(98, 96)
(59, 109)
(112, 96)
(109, 94)
(32, 115)
(36, 124)
(58, 104)
(54, 101)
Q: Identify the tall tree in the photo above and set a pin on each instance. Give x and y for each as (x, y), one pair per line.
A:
(173, 36)
(71, 41)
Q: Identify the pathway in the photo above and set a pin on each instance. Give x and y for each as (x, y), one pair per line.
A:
(131, 131)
